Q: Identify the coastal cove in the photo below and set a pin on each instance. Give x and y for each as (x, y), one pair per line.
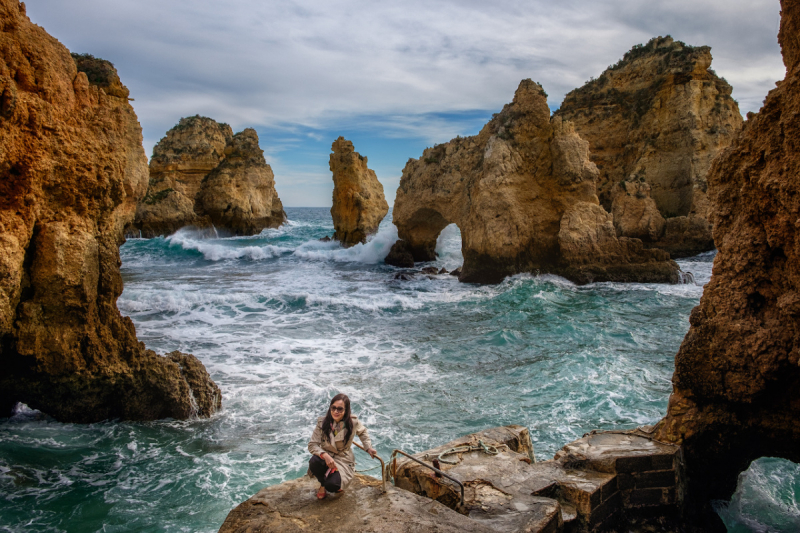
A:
(282, 322)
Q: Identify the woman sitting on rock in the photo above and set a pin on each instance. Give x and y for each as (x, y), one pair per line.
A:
(332, 461)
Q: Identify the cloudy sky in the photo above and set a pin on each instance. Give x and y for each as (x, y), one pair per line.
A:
(393, 77)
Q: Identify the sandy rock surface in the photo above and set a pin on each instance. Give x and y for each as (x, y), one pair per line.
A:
(508, 189)
(737, 374)
(358, 201)
(72, 169)
(239, 195)
(658, 117)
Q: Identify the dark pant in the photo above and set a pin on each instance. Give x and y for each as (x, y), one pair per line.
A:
(333, 482)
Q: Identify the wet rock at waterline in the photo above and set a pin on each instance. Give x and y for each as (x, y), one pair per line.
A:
(72, 171)
(400, 255)
(359, 205)
(292, 507)
(737, 372)
(654, 122)
(518, 192)
(202, 175)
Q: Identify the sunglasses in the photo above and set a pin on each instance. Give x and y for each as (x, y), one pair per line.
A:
(337, 409)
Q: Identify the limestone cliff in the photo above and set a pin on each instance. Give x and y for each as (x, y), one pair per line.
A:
(239, 195)
(180, 162)
(654, 122)
(358, 201)
(72, 169)
(523, 193)
(240, 199)
(737, 374)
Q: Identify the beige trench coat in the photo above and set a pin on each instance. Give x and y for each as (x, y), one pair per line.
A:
(345, 460)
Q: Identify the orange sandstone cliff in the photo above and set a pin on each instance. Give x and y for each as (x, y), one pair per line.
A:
(72, 169)
(654, 122)
(736, 393)
(523, 194)
(358, 201)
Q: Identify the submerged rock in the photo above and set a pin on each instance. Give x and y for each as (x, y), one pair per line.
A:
(72, 171)
(509, 189)
(654, 122)
(359, 205)
(737, 372)
(239, 195)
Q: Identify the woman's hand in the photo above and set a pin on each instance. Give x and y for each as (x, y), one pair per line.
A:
(372, 453)
(328, 461)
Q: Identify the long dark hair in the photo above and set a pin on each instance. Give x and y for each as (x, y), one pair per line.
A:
(327, 424)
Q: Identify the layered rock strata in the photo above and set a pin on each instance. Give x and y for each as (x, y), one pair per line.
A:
(358, 201)
(737, 373)
(71, 172)
(239, 195)
(523, 194)
(201, 174)
(654, 122)
(180, 163)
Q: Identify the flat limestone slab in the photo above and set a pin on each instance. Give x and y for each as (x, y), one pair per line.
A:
(292, 507)
(619, 452)
(498, 489)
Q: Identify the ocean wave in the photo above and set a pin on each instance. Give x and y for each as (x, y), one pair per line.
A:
(219, 250)
(373, 251)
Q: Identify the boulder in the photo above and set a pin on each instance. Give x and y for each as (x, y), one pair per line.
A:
(358, 201)
(71, 174)
(657, 117)
(508, 189)
(292, 507)
(737, 372)
(400, 255)
(239, 195)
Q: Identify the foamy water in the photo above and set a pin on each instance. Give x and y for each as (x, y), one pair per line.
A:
(283, 322)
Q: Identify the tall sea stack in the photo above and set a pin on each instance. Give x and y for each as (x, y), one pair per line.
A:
(654, 122)
(358, 201)
(737, 374)
(71, 172)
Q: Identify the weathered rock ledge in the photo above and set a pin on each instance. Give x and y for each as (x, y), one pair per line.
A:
(654, 122)
(72, 169)
(599, 482)
(359, 205)
(523, 194)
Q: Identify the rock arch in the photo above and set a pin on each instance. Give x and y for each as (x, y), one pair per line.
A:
(523, 194)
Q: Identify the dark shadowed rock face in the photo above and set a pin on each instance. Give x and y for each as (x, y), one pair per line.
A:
(71, 172)
(737, 374)
(518, 191)
(654, 122)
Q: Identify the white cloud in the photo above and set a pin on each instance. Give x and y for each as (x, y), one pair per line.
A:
(393, 65)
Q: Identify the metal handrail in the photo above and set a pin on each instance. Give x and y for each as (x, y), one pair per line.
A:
(383, 466)
(451, 478)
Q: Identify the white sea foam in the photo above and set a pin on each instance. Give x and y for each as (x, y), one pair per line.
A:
(373, 251)
(213, 250)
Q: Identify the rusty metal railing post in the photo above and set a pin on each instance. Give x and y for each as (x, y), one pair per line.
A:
(451, 478)
(383, 466)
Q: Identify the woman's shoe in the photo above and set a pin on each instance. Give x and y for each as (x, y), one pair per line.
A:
(321, 493)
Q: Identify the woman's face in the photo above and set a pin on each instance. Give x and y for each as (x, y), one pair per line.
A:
(337, 410)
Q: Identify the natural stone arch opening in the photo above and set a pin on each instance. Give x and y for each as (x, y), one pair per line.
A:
(422, 231)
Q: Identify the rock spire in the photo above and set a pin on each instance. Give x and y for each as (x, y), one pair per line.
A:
(358, 201)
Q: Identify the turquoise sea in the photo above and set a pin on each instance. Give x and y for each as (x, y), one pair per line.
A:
(283, 322)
